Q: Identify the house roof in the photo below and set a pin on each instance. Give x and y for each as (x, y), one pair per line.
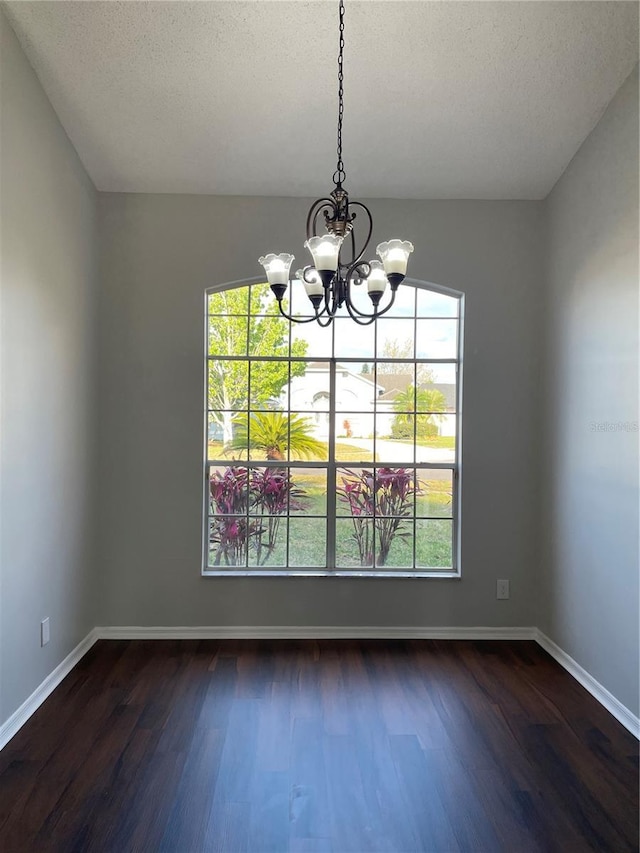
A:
(343, 368)
(447, 389)
(393, 382)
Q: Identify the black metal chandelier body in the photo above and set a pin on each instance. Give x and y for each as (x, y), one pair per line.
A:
(338, 264)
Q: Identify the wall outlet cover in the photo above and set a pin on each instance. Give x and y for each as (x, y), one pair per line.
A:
(502, 589)
(44, 632)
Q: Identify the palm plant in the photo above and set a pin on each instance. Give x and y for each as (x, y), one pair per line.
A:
(275, 433)
(427, 400)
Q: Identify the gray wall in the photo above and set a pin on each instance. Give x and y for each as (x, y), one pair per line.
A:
(589, 594)
(117, 540)
(159, 253)
(48, 277)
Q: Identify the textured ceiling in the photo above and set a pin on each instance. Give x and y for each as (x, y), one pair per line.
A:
(442, 99)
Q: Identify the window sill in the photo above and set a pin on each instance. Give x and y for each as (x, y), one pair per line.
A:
(324, 573)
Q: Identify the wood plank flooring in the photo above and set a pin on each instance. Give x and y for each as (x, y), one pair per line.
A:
(319, 747)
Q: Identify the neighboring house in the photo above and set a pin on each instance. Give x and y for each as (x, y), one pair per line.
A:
(356, 396)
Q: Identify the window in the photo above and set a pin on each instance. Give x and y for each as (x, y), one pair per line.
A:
(332, 451)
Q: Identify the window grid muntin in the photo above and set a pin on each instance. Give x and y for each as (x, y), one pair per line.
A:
(331, 465)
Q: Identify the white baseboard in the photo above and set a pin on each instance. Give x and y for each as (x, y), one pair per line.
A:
(270, 632)
(19, 717)
(607, 699)
(316, 632)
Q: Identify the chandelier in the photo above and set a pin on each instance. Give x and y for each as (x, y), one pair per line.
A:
(337, 256)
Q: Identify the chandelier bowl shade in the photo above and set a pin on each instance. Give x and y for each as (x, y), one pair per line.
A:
(325, 251)
(313, 286)
(394, 255)
(377, 280)
(277, 269)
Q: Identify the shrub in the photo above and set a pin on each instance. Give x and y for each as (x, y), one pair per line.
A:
(402, 428)
(382, 502)
(246, 508)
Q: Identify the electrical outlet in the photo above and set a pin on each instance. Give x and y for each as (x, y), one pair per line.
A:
(502, 589)
(44, 632)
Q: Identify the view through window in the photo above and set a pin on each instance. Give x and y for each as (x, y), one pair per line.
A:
(332, 449)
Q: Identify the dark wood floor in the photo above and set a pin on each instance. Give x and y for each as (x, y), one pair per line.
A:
(190, 746)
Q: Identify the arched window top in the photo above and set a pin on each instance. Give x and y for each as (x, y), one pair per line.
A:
(391, 394)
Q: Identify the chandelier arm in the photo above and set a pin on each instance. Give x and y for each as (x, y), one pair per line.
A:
(332, 309)
(362, 270)
(353, 245)
(351, 308)
(356, 315)
(364, 207)
(328, 322)
(292, 319)
(355, 312)
(387, 307)
(318, 205)
(306, 271)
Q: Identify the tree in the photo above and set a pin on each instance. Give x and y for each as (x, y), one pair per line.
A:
(275, 432)
(407, 402)
(392, 348)
(235, 330)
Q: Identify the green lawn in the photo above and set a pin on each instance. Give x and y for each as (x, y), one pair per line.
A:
(307, 547)
(445, 442)
(345, 452)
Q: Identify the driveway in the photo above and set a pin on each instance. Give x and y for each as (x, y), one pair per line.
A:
(400, 452)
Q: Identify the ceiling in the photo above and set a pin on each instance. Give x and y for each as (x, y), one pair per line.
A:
(442, 99)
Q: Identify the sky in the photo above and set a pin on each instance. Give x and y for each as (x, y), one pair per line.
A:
(435, 337)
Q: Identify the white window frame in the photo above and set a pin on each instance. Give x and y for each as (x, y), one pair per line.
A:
(455, 466)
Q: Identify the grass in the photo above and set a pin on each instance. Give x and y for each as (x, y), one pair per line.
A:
(344, 453)
(446, 442)
(349, 453)
(307, 546)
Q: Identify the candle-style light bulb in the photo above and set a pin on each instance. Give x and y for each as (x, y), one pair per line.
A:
(314, 288)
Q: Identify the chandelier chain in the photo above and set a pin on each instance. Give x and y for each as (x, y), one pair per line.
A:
(340, 173)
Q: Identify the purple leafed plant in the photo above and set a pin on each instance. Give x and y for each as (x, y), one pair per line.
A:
(229, 526)
(246, 508)
(379, 503)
